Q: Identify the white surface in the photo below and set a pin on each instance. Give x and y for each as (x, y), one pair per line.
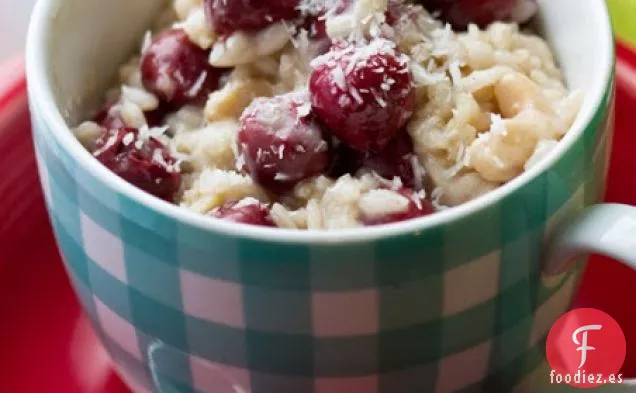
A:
(14, 19)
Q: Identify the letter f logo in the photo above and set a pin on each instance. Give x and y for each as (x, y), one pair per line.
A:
(583, 344)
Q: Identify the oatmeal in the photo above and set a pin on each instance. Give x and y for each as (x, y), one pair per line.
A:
(329, 114)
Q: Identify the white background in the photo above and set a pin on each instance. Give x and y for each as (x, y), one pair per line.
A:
(14, 19)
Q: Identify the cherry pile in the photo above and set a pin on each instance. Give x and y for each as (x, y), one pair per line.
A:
(143, 162)
(229, 16)
(460, 13)
(360, 96)
(352, 118)
(176, 71)
(281, 143)
(363, 94)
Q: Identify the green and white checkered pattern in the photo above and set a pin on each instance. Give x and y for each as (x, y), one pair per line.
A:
(458, 308)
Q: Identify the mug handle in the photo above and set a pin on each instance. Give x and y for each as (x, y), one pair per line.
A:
(605, 229)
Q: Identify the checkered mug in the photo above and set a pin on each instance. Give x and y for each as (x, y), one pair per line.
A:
(461, 301)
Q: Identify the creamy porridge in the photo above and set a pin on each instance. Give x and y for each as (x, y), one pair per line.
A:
(326, 114)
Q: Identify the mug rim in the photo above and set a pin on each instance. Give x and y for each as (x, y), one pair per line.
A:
(43, 104)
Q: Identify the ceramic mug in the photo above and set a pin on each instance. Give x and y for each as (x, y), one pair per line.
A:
(461, 301)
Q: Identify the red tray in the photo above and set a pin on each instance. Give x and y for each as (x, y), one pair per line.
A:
(46, 345)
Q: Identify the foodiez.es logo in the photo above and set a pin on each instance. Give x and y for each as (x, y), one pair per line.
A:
(586, 348)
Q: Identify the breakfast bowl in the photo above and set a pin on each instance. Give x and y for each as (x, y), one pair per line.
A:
(459, 300)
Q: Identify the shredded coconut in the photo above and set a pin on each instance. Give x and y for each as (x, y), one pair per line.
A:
(378, 203)
(490, 104)
(110, 142)
(249, 201)
(198, 84)
(147, 41)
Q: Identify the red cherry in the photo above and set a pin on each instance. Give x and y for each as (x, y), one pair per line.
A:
(280, 143)
(247, 211)
(315, 22)
(344, 160)
(318, 30)
(317, 33)
(177, 71)
(363, 94)
(417, 207)
(395, 160)
(460, 13)
(229, 16)
(146, 164)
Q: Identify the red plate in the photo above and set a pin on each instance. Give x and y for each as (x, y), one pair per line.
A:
(46, 345)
